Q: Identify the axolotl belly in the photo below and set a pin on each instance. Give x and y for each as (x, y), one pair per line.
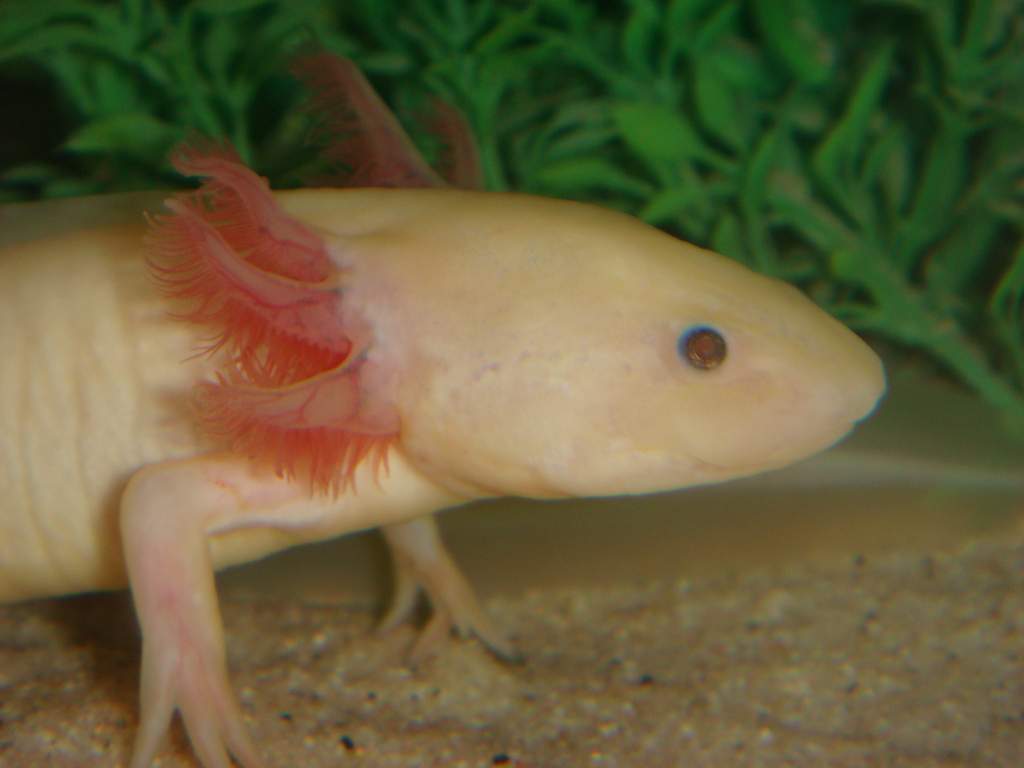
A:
(365, 358)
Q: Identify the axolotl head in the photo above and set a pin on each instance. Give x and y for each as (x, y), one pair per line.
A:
(551, 348)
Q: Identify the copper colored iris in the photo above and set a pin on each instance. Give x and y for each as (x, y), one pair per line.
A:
(703, 348)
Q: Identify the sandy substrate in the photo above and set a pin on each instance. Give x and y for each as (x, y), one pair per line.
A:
(902, 660)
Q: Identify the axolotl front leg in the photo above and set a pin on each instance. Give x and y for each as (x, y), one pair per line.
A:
(170, 512)
(314, 438)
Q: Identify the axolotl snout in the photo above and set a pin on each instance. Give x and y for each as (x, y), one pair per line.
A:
(372, 356)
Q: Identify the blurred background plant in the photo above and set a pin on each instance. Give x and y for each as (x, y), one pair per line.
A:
(871, 151)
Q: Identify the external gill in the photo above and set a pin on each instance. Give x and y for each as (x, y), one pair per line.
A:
(290, 390)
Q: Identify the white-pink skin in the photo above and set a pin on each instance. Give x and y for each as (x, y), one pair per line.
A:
(529, 345)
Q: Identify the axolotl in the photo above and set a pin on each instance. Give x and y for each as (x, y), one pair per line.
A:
(253, 369)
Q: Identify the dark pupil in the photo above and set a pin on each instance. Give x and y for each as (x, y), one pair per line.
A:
(703, 348)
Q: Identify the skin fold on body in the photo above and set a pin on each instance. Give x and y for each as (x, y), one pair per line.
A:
(391, 352)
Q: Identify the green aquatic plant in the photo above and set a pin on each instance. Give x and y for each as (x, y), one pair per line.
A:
(871, 150)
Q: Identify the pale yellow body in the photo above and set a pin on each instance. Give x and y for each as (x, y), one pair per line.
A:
(95, 384)
(529, 347)
(92, 383)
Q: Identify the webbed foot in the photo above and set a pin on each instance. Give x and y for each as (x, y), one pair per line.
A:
(421, 562)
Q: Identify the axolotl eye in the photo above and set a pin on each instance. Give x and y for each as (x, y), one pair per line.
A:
(701, 347)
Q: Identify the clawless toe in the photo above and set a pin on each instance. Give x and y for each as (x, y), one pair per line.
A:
(191, 679)
(211, 715)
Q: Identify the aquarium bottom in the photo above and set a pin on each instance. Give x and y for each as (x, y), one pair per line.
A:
(897, 659)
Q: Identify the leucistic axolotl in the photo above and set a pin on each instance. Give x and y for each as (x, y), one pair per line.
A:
(368, 357)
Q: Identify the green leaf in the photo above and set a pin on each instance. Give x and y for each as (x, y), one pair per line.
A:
(680, 23)
(669, 204)
(954, 262)
(987, 22)
(30, 173)
(743, 67)
(227, 7)
(769, 156)
(719, 25)
(40, 42)
(1005, 309)
(835, 160)
(887, 164)
(1009, 292)
(792, 204)
(113, 89)
(135, 134)
(638, 36)
(36, 24)
(721, 109)
(659, 136)
(806, 111)
(580, 173)
(219, 47)
(68, 186)
(763, 161)
(938, 186)
(727, 237)
(509, 31)
(791, 30)
(385, 63)
(681, 11)
(67, 69)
